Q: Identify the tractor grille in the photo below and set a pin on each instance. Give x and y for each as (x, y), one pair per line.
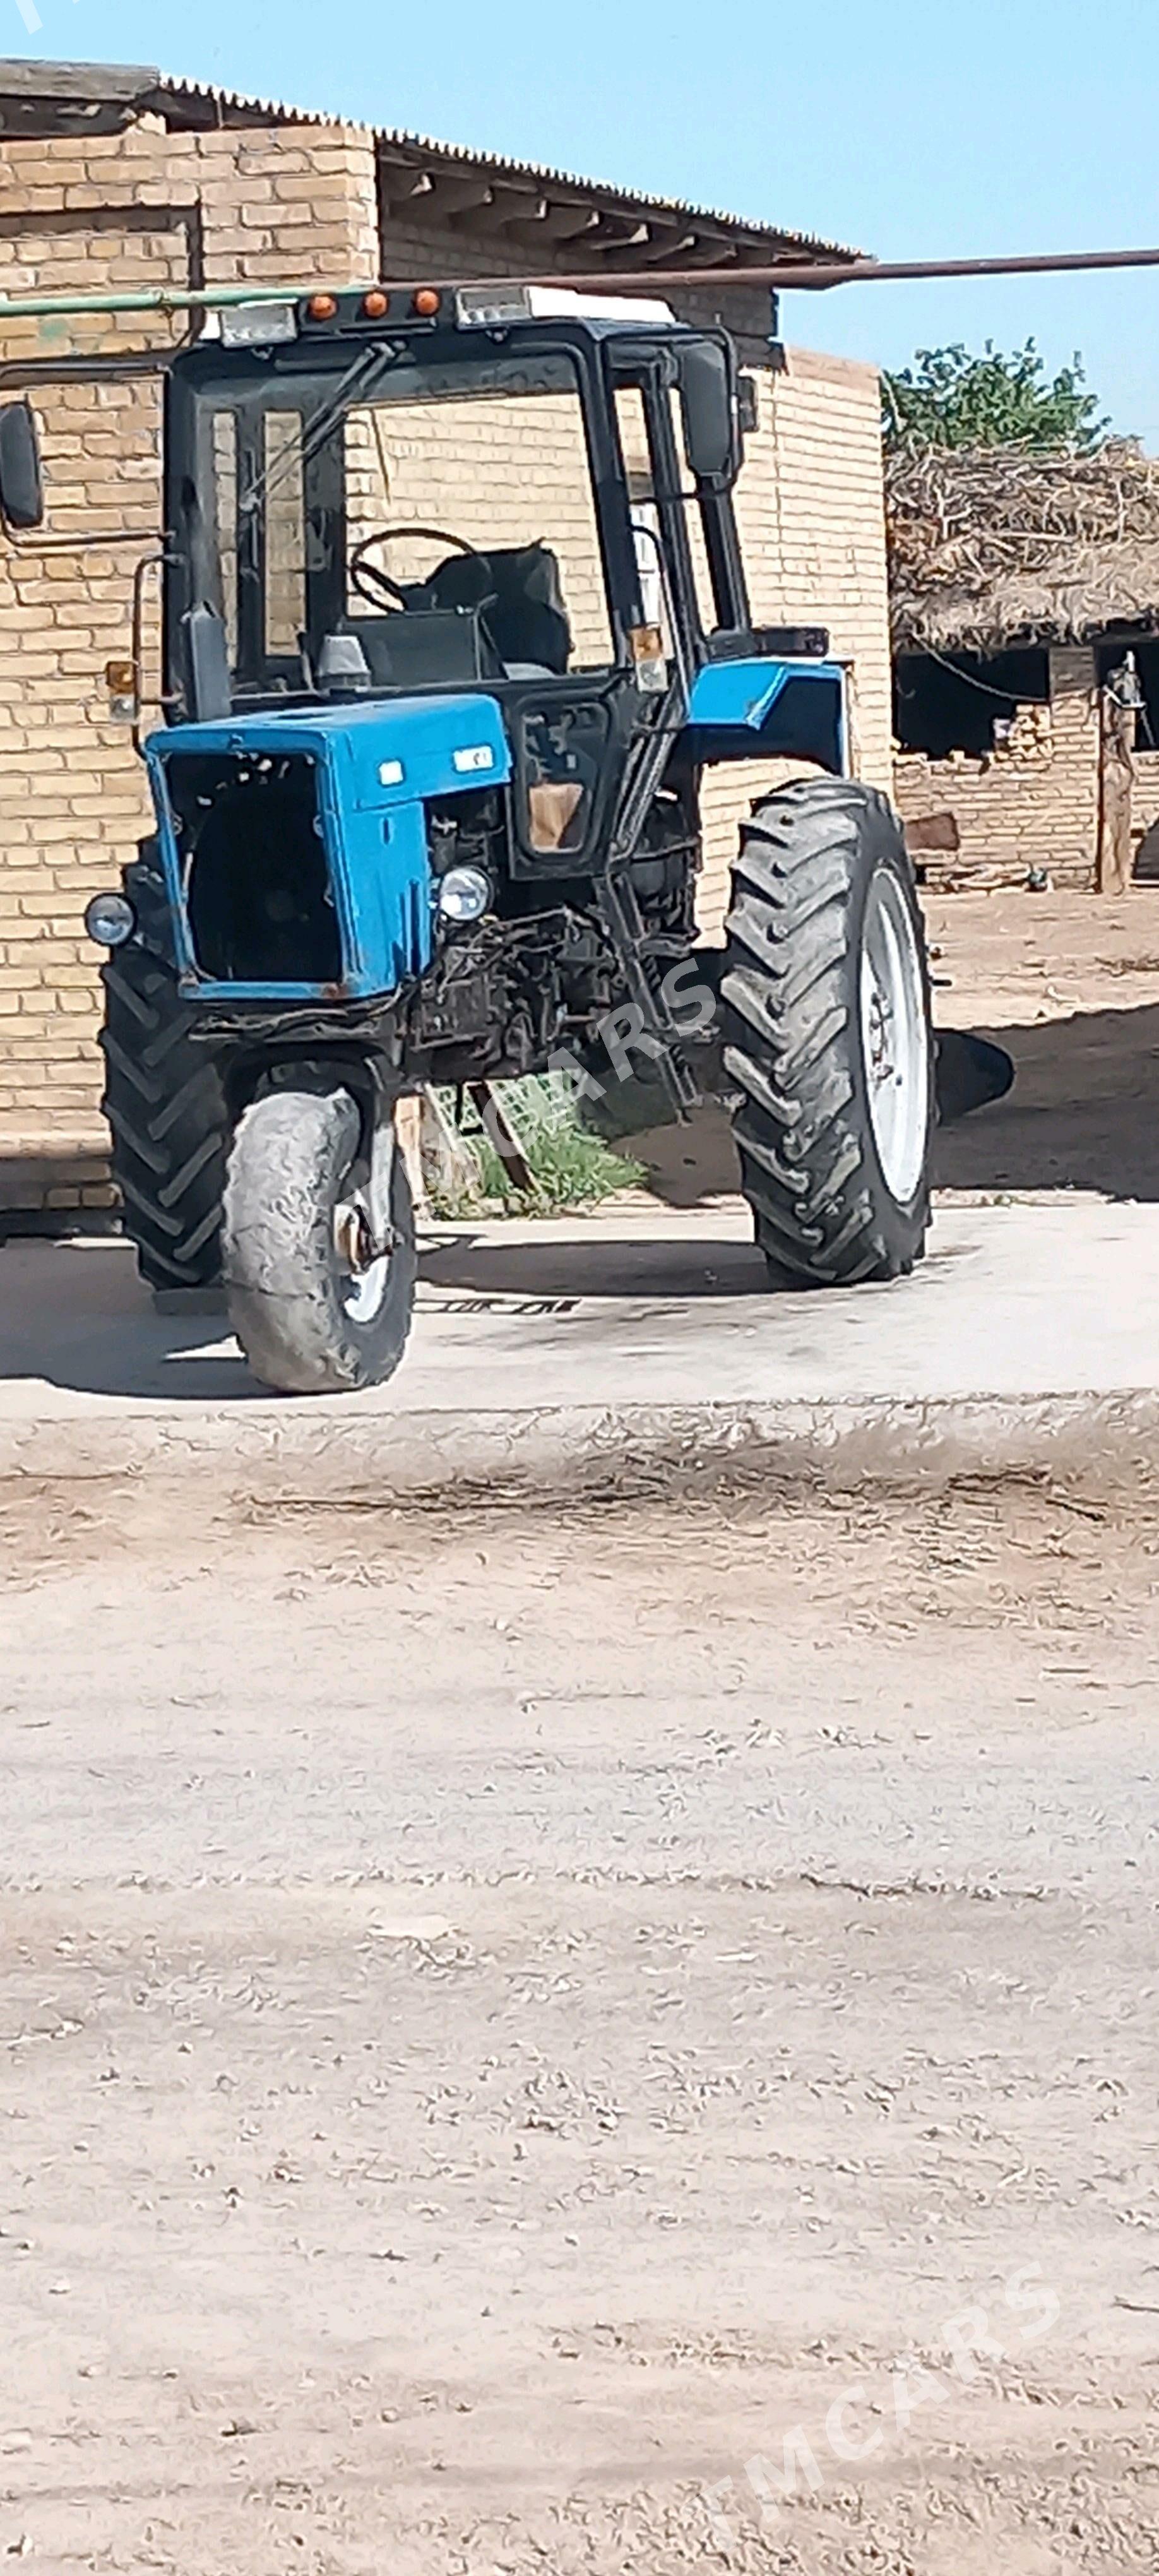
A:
(253, 867)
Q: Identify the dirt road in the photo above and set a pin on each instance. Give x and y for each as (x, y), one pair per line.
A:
(506, 2025)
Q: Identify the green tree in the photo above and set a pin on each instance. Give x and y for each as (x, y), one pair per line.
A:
(952, 398)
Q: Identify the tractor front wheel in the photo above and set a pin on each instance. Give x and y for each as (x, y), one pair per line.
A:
(827, 1036)
(318, 1245)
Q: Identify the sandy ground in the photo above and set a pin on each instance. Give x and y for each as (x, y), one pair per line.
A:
(1069, 984)
(507, 2024)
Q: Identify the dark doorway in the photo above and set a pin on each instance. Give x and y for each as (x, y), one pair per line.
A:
(953, 703)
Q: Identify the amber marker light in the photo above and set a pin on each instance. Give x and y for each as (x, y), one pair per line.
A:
(426, 303)
(376, 305)
(322, 308)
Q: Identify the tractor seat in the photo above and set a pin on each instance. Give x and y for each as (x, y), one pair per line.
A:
(518, 592)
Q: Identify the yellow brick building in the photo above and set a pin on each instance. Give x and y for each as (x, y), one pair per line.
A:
(120, 178)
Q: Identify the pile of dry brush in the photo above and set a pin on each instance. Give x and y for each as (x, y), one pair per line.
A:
(991, 543)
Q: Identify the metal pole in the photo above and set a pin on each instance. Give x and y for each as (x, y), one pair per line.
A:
(866, 272)
(157, 299)
(781, 277)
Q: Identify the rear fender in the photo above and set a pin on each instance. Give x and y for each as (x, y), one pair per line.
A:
(765, 710)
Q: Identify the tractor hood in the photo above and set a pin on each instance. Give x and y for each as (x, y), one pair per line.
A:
(383, 751)
(295, 846)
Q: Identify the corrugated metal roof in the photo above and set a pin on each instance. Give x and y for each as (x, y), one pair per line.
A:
(103, 97)
(498, 164)
(277, 111)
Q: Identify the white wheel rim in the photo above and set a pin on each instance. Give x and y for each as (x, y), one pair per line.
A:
(362, 1290)
(895, 1037)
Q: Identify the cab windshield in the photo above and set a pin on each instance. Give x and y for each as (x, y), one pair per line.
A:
(441, 528)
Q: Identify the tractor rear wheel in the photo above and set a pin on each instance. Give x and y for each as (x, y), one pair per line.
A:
(318, 1245)
(163, 1102)
(827, 1036)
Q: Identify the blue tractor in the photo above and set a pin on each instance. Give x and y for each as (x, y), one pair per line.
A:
(456, 626)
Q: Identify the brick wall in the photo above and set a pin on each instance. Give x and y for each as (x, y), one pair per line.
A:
(511, 471)
(72, 800)
(1032, 803)
(1145, 814)
(809, 505)
(274, 201)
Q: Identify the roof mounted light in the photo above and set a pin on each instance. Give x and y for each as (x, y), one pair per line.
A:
(256, 326)
(490, 308)
(493, 308)
(322, 308)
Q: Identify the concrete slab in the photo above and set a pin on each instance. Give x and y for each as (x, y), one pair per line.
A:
(609, 1338)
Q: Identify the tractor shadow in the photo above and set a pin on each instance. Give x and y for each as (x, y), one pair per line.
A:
(73, 1314)
(1082, 1115)
(545, 1278)
(1083, 1112)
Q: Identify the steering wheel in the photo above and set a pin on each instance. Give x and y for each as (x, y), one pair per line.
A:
(374, 585)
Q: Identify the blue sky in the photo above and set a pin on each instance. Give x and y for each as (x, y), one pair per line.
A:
(907, 127)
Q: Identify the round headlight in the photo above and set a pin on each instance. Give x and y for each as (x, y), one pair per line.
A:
(464, 894)
(110, 920)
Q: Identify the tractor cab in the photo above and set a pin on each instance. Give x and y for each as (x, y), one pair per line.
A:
(472, 555)
(382, 492)
(383, 495)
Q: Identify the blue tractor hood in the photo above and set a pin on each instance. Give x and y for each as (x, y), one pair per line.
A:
(375, 767)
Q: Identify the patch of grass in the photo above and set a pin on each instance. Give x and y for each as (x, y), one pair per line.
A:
(570, 1167)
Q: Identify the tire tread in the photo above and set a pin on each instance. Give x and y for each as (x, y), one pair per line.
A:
(164, 1106)
(822, 1213)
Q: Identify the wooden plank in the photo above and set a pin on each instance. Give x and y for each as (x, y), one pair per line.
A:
(408, 1135)
(551, 223)
(933, 832)
(501, 206)
(114, 84)
(434, 198)
(485, 1099)
(445, 1155)
(1116, 781)
(657, 257)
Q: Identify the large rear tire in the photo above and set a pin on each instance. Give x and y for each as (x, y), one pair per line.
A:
(164, 1104)
(317, 1308)
(827, 1036)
